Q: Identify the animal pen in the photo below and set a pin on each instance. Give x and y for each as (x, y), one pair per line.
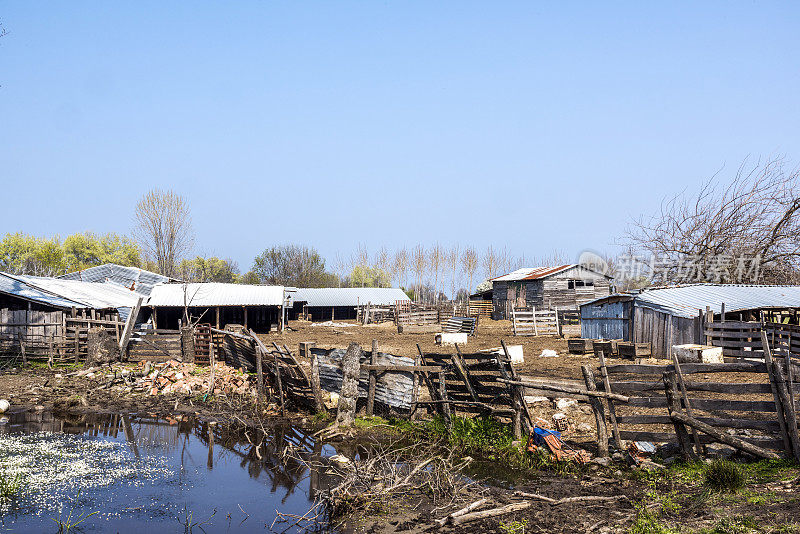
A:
(49, 320)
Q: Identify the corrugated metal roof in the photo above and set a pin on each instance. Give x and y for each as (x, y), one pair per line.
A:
(12, 286)
(134, 278)
(685, 301)
(531, 273)
(215, 294)
(349, 296)
(95, 295)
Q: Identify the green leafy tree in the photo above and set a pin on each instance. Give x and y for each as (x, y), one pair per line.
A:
(364, 276)
(292, 265)
(24, 254)
(249, 277)
(88, 249)
(211, 269)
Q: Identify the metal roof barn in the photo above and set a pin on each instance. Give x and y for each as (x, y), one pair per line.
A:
(349, 296)
(17, 288)
(133, 278)
(87, 294)
(685, 301)
(214, 294)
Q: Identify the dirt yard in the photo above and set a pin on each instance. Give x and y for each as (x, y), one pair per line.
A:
(488, 335)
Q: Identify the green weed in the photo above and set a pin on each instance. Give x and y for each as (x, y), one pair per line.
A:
(10, 486)
(70, 523)
(724, 476)
(514, 527)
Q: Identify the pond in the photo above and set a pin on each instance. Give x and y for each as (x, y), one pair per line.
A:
(138, 472)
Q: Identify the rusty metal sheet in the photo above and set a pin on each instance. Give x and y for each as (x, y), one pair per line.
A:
(393, 388)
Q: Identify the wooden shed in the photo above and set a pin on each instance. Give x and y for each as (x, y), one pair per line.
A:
(563, 287)
(678, 315)
(43, 316)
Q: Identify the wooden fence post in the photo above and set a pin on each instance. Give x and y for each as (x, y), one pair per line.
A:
(279, 382)
(599, 412)
(674, 406)
(259, 374)
(443, 396)
(789, 411)
(775, 395)
(372, 377)
(686, 403)
(316, 388)
(612, 413)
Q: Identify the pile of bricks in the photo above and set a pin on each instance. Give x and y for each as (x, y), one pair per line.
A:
(191, 379)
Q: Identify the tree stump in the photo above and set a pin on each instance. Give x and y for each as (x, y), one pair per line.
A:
(187, 344)
(351, 368)
(102, 348)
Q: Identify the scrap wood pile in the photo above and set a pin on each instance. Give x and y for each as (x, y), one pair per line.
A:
(187, 378)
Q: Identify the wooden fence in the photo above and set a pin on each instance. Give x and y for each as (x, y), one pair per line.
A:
(418, 317)
(471, 383)
(155, 345)
(738, 339)
(535, 322)
(748, 408)
(55, 342)
(479, 308)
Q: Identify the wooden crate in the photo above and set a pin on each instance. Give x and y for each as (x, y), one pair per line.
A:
(579, 345)
(634, 350)
(608, 346)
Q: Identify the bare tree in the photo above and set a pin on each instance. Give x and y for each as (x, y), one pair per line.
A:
(453, 258)
(435, 259)
(726, 229)
(164, 228)
(419, 264)
(469, 264)
(382, 261)
(401, 265)
(490, 262)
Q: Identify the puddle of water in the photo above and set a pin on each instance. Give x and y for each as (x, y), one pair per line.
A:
(140, 472)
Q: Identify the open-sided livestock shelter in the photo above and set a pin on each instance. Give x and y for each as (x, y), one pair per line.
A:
(325, 304)
(252, 306)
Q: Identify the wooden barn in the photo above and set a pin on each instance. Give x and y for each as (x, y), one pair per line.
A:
(564, 287)
(42, 316)
(679, 315)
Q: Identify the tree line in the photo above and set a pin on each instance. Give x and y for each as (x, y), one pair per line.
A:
(755, 215)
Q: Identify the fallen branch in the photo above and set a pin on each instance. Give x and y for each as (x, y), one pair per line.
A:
(470, 507)
(723, 438)
(566, 389)
(518, 506)
(565, 500)
(507, 509)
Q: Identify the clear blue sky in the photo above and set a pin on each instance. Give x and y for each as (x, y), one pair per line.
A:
(535, 126)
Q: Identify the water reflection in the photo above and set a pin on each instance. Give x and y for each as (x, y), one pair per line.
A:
(212, 468)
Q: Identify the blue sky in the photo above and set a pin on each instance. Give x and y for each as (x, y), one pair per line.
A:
(533, 126)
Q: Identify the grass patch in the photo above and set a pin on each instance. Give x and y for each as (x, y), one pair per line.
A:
(733, 525)
(724, 476)
(648, 521)
(10, 486)
(513, 527)
(483, 438)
